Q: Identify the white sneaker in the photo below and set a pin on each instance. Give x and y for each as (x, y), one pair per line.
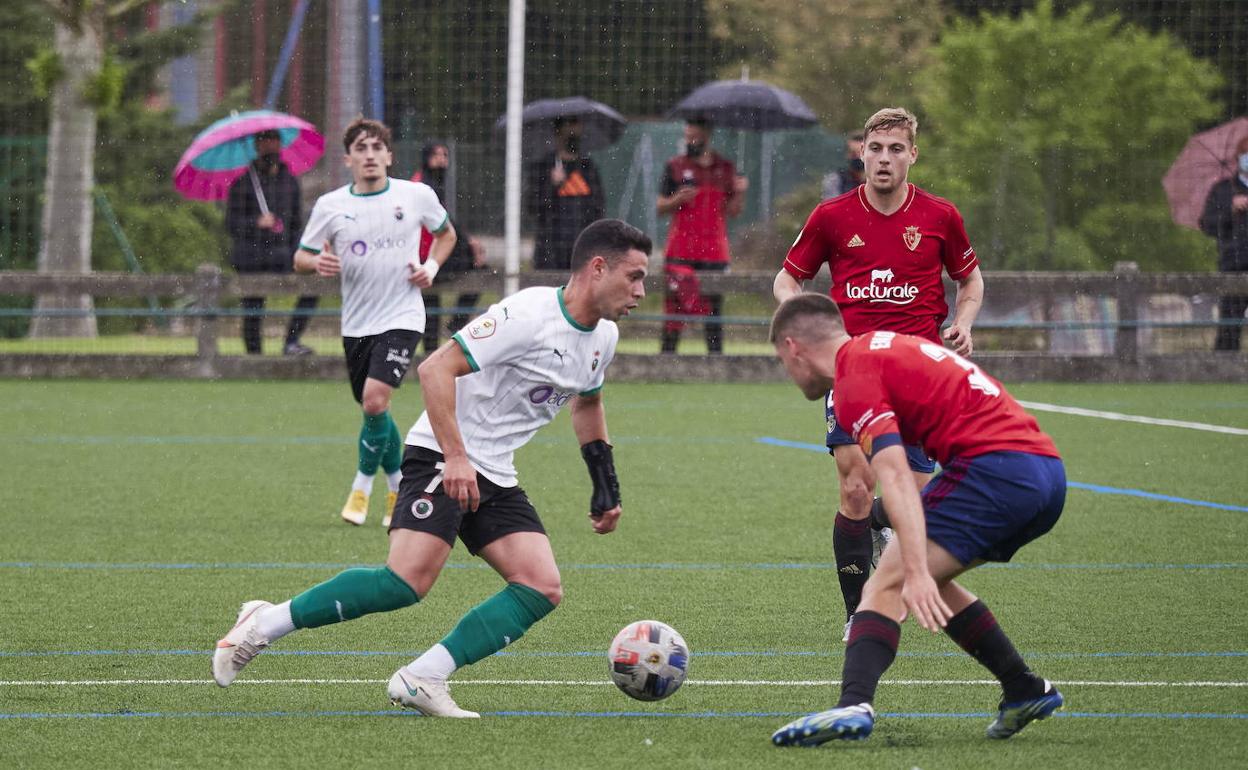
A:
(240, 645)
(428, 696)
(880, 538)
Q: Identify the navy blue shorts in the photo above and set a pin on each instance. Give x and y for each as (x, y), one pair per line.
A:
(989, 506)
(838, 436)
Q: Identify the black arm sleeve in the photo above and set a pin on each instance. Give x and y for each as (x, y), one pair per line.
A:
(601, 464)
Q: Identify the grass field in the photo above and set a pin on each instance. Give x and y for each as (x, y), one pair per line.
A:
(137, 516)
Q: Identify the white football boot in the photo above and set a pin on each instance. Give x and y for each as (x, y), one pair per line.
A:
(880, 538)
(240, 645)
(428, 696)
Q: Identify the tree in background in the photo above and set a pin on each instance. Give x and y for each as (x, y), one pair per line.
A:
(93, 82)
(1052, 133)
(846, 58)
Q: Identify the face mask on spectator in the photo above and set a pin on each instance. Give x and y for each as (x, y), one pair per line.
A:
(1243, 163)
(694, 149)
(574, 144)
(271, 159)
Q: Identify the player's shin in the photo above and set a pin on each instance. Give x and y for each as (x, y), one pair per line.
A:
(851, 545)
(349, 595)
(374, 441)
(495, 623)
(392, 459)
(976, 631)
(873, 640)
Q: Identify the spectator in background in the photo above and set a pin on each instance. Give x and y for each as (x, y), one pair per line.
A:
(565, 196)
(701, 191)
(468, 254)
(1226, 218)
(263, 215)
(851, 176)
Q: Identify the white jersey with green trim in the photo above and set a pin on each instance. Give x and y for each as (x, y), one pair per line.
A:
(529, 358)
(377, 236)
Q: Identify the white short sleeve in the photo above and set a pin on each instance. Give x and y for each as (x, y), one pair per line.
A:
(433, 216)
(498, 336)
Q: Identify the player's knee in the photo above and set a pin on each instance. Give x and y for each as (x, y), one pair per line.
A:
(375, 404)
(856, 498)
(552, 589)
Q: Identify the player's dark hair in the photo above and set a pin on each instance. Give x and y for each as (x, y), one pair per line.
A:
(268, 133)
(806, 315)
(701, 121)
(610, 239)
(369, 128)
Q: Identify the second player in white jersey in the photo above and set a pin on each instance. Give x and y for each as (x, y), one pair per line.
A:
(529, 359)
(377, 237)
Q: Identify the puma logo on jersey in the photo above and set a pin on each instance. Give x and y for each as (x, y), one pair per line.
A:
(556, 350)
(855, 241)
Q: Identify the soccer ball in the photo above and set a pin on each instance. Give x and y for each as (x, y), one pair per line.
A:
(648, 660)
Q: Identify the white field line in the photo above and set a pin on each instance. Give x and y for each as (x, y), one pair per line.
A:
(1080, 412)
(598, 683)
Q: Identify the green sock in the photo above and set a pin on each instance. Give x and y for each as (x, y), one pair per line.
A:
(349, 595)
(374, 440)
(495, 623)
(392, 460)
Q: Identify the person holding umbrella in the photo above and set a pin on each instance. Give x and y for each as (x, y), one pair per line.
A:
(700, 191)
(565, 196)
(1225, 218)
(263, 216)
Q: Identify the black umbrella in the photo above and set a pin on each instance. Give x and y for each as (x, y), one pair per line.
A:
(751, 105)
(601, 126)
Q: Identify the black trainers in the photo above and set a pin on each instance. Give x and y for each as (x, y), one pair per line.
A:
(296, 349)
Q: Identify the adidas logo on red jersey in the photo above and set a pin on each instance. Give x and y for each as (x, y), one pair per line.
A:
(855, 241)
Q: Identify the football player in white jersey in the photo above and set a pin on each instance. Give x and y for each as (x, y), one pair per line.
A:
(487, 391)
(368, 232)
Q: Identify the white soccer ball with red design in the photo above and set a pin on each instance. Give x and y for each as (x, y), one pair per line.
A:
(649, 660)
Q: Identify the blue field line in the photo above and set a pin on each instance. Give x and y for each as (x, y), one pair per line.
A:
(598, 653)
(597, 714)
(1098, 488)
(604, 567)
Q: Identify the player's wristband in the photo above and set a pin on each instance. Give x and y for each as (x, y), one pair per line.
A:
(431, 267)
(601, 464)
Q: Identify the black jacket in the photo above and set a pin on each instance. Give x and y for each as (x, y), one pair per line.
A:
(561, 213)
(256, 250)
(461, 258)
(1230, 228)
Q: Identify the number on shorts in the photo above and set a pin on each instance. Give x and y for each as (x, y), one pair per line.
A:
(436, 480)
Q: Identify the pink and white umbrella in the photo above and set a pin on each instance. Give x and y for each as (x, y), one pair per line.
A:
(223, 151)
(1207, 158)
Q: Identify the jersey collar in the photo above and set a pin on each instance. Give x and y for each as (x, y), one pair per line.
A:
(351, 189)
(563, 308)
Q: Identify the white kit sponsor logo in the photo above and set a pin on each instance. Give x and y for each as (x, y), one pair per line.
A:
(882, 289)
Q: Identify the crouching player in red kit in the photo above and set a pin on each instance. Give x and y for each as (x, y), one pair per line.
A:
(1002, 485)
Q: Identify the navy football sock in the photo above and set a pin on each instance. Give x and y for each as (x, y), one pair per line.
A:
(975, 629)
(851, 545)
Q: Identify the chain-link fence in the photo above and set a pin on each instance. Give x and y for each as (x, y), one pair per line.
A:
(1036, 195)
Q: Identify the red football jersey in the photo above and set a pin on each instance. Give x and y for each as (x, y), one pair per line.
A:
(885, 269)
(894, 388)
(699, 230)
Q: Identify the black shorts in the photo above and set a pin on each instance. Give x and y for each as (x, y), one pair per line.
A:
(384, 357)
(424, 507)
